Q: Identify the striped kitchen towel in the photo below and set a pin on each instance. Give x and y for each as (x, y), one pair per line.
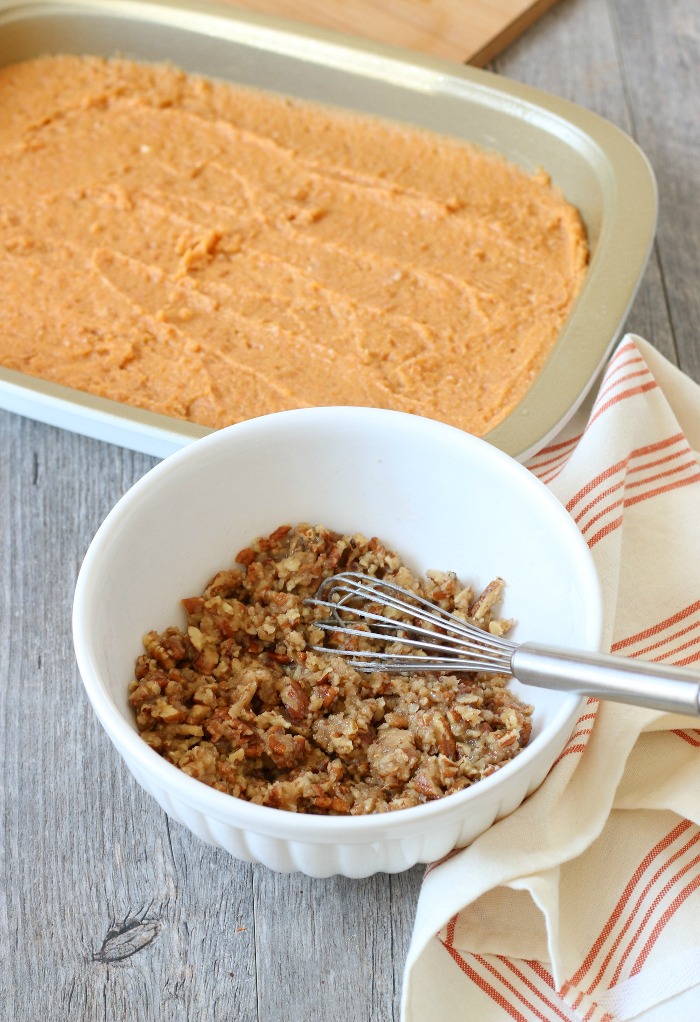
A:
(584, 904)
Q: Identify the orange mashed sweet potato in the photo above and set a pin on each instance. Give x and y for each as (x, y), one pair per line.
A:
(215, 253)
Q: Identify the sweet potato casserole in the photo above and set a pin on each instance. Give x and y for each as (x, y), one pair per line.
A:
(239, 700)
(214, 253)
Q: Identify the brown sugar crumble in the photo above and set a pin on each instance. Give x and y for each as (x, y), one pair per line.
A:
(240, 701)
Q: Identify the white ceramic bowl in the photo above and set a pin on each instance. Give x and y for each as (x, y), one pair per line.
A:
(440, 497)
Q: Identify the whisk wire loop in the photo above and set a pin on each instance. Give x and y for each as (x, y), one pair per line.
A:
(353, 600)
(365, 607)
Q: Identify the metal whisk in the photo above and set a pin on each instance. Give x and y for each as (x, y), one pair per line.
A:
(363, 607)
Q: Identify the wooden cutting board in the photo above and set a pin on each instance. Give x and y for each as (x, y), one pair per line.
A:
(470, 31)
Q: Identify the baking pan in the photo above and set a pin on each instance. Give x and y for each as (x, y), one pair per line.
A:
(597, 167)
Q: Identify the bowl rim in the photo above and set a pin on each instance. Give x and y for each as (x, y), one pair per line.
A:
(226, 808)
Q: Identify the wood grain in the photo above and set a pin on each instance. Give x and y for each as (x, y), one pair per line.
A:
(108, 910)
(470, 31)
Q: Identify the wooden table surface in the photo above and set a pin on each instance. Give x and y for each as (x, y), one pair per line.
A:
(107, 909)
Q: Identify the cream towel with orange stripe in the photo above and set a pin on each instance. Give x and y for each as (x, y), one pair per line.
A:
(584, 904)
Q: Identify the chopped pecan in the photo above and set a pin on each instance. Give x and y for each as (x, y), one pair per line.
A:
(393, 757)
(284, 750)
(295, 699)
(222, 727)
(326, 694)
(193, 604)
(486, 600)
(331, 804)
(279, 658)
(426, 787)
(207, 660)
(279, 533)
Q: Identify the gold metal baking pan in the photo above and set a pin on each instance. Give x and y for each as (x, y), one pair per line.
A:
(597, 167)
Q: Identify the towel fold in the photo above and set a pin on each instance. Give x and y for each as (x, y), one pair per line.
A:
(584, 904)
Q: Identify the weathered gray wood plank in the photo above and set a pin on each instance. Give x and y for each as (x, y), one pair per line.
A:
(107, 910)
(637, 63)
(660, 55)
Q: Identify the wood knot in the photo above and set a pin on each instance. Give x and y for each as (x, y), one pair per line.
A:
(127, 938)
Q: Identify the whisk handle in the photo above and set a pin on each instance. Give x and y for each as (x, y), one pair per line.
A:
(620, 679)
